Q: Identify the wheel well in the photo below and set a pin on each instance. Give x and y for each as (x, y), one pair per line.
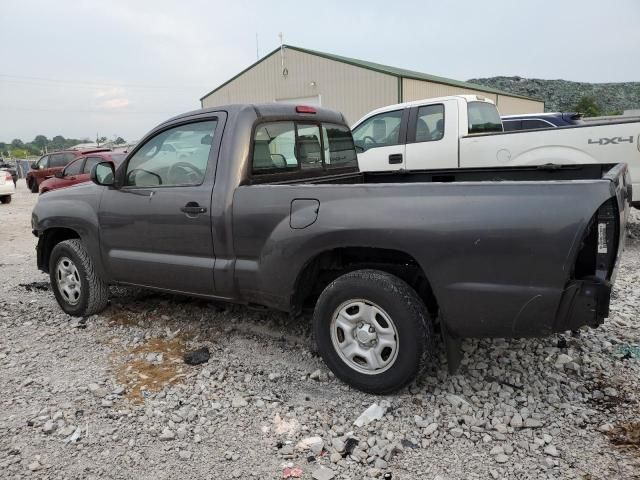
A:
(329, 265)
(48, 240)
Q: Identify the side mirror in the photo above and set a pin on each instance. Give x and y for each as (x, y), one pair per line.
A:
(59, 174)
(103, 174)
(34, 166)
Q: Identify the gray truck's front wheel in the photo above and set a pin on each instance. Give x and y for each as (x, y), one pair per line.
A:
(372, 330)
(76, 285)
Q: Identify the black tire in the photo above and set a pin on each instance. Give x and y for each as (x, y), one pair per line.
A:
(33, 186)
(94, 292)
(5, 199)
(400, 303)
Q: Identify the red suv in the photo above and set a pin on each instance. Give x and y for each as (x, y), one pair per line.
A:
(50, 164)
(79, 169)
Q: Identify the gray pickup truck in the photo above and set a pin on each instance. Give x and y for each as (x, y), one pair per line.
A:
(264, 205)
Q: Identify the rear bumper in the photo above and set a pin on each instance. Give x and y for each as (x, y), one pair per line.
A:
(583, 303)
(7, 188)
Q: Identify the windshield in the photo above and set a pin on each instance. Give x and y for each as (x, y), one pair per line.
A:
(483, 118)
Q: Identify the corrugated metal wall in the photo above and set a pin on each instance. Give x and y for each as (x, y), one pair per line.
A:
(352, 90)
(513, 106)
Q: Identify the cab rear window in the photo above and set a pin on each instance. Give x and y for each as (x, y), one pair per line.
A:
(291, 146)
(483, 118)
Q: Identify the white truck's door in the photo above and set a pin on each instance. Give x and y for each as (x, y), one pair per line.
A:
(380, 141)
(432, 136)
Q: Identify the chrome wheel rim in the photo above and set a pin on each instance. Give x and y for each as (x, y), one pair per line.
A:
(364, 336)
(68, 280)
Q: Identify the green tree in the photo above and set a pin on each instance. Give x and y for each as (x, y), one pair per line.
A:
(120, 141)
(588, 107)
(17, 143)
(40, 141)
(58, 142)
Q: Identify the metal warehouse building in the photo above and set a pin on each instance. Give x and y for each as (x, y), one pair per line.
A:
(354, 87)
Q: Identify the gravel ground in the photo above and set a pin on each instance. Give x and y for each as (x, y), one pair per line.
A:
(110, 396)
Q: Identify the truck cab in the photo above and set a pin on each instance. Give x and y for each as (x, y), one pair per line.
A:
(401, 136)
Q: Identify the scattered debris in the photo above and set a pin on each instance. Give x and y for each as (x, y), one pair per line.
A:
(349, 446)
(314, 444)
(74, 437)
(323, 473)
(292, 472)
(36, 286)
(284, 426)
(374, 412)
(626, 352)
(196, 357)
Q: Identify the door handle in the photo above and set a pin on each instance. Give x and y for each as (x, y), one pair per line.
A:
(395, 158)
(192, 208)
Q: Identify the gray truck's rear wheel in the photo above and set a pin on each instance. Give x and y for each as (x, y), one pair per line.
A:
(372, 330)
(76, 285)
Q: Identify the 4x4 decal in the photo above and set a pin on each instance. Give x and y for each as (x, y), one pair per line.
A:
(611, 140)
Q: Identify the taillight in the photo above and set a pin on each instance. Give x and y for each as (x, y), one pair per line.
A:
(305, 109)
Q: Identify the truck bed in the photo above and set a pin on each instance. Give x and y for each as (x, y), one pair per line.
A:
(539, 173)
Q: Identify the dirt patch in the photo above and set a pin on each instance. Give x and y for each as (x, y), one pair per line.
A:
(150, 367)
(123, 318)
(626, 434)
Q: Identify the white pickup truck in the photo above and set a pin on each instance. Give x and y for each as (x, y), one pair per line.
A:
(465, 131)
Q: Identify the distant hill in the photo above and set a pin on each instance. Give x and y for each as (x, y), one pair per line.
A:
(562, 95)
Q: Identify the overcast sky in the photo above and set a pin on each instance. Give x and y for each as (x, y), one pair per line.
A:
(118, 67)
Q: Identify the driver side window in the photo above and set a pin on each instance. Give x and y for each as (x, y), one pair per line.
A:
(380, 130)
(74, 168)
(175, 157)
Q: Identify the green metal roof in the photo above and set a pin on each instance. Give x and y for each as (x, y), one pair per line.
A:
(377, 67)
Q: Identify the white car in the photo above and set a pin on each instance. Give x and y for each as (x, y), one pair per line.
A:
(465, 131)
(7, 188)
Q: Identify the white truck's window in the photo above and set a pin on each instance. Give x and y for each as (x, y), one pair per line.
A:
(274, 147)
(512, 125)
(380, 130)
(483, 118)
(309, 149)
(175, 157)
(339, 150)
(430, 123)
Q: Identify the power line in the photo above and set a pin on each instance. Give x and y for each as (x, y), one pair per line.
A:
(121, 112)
(33, 80)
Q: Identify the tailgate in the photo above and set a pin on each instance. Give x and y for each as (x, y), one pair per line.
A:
(609, 217)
